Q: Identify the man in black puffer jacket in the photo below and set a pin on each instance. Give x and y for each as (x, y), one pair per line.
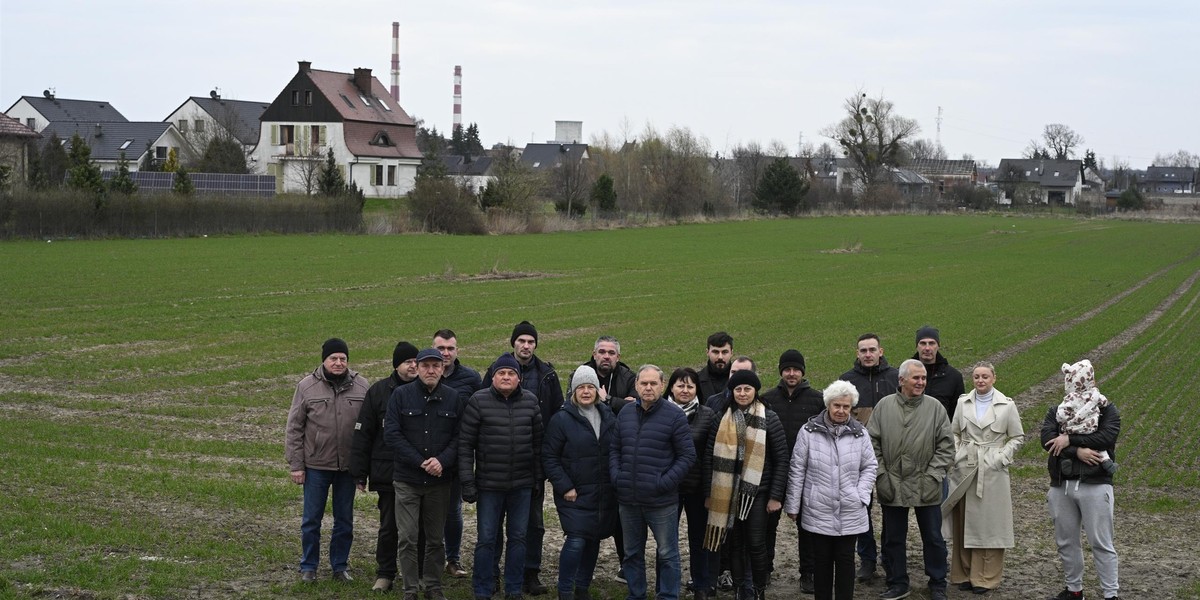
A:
(795, 402)
(500, 447)
(371, 459)
(945, 382)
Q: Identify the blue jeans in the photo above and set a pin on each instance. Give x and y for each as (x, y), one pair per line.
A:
(933, 546)
(576, 564)
(494, 507)
(663, 522)
(316, 491)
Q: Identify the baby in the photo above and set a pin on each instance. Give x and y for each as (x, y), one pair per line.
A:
(1080, 408)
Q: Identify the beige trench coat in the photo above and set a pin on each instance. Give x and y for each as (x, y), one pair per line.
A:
(983, 450)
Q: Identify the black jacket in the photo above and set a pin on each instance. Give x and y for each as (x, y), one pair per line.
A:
(370, 456)
(711, 383)
(500, 441)
(618, 385)
(574, 458)
(539, 378)
(464, 379)
(1104, 438)
(873, 384)
(700, 422)
(775, 466)
(794, 410)
(944, 383)
(422, 424)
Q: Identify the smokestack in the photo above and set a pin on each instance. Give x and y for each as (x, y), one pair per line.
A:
(457, 97)
(362, 80)
(396, 61)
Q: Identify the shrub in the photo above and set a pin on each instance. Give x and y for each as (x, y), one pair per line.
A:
(439, 204)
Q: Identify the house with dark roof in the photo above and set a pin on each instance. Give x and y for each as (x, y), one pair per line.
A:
(109, 141)
(37, 112)
(1169, 180)
(15, 140)
(945, 173)
(475, 172)
(549, 156)
(374, 142)
(203, 118)
(1039, 181)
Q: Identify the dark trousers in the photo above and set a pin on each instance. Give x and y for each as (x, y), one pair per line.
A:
(833, 566)
(895, 534)
(387, 540)
(804, 552)
(868, 553)
(748, 545)
(701, 563)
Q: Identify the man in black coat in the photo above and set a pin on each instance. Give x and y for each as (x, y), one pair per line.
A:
(945, 382)
(875, 380)
(466, 380)
(715, 373)
(795, 401)
(371, 459)
(616, 378)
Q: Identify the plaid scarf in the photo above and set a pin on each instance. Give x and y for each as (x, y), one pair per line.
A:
(739, 453)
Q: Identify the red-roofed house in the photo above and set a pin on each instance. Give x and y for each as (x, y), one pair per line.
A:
(14, 148)
(374, 141)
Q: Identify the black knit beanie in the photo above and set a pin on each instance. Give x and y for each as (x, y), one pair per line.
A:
(928, 331)
(791, 358)
(523, 328)
(744, 377)
(333, 346)
(404, 351)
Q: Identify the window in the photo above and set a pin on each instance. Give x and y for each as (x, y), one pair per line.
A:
(295, 97)
(364, 100)
(391, 175)
(347, 101)
(378, 174)
(125, 146)
(31, 123)
(183, 125)
(381, 139)
(383, 104)
(199, 125)
(160, 152)
(308, 97)
(287, 134)
(315, 135)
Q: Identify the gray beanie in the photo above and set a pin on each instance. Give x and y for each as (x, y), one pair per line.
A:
(584, 374)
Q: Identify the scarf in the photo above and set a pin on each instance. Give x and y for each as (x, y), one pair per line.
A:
(689, 409)
(739, 453)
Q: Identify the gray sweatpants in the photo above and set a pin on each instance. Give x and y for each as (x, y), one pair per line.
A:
(1088, 505)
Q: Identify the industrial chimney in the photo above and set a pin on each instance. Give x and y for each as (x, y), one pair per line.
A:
(396, 61)
(457, 97)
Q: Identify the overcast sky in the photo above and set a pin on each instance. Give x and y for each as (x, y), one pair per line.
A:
(1122, 74)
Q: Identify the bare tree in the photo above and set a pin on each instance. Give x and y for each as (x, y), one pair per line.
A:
(925, 149)
(1179, 158)
(871, 135)
(305, 173)
(1059, 142)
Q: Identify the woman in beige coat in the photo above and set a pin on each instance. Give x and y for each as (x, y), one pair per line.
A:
(987, 432)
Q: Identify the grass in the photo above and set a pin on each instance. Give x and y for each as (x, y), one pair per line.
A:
(145, 382)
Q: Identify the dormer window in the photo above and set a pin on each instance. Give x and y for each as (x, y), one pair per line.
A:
(381, 139)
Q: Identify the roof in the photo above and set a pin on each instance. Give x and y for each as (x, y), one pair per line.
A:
(10, 127)
(240, 117)
(1169, 175)
(908, 177)
(546, 156)
(341, 92)
(402, 140)
(1047, 173)
(112, 136)
(63, 109)
(458, 166)
(930, 167)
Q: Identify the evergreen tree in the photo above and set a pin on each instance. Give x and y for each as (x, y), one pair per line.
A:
(457, 146)
(147, 164)
(1131, 198)
(223, 154)
(183, 182)
(330, 181)
(82, 173)
(122, 182)
(53, 164)
(471, 143)
(1089, 161)
(172, 164)
(603, 196)
(781, 188)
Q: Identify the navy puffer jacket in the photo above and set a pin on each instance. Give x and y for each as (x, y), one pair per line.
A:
(574, 459)
(652, 452)
(500, 440)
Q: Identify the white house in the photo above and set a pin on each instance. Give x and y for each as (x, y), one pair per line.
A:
(373, 140)
(203, 118)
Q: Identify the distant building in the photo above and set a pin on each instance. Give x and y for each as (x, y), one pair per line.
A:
(203, 118)
(1039, 181)
(14, 148)
(547, 157)
(373, 140)
(475, 173)
(945, 174)
(1168, 180)
(131, 138)
(37, 112)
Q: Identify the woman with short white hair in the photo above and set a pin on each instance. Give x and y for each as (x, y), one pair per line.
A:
(833, 472)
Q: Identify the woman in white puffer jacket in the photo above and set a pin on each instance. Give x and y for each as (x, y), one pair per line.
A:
(832, 473)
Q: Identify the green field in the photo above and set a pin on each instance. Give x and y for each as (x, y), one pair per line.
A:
(145, 383)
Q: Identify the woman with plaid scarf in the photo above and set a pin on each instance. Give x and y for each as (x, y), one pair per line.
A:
(745, 473)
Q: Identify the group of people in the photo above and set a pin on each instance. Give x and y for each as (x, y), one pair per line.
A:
(627, 453)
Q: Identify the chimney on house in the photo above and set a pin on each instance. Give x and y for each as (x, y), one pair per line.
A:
(99, 130)
(457, 97)
(305, 66)
(396, 61)
(362, 80)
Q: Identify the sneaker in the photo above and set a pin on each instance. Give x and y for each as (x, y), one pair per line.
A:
(342, 577)
(896, 592)
(1069, 595)
(937, 594)
(454, 569)
(382, 584)
(806, 584)
(725, 581)
(620, 578)
(865, 572)
(308, 576)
